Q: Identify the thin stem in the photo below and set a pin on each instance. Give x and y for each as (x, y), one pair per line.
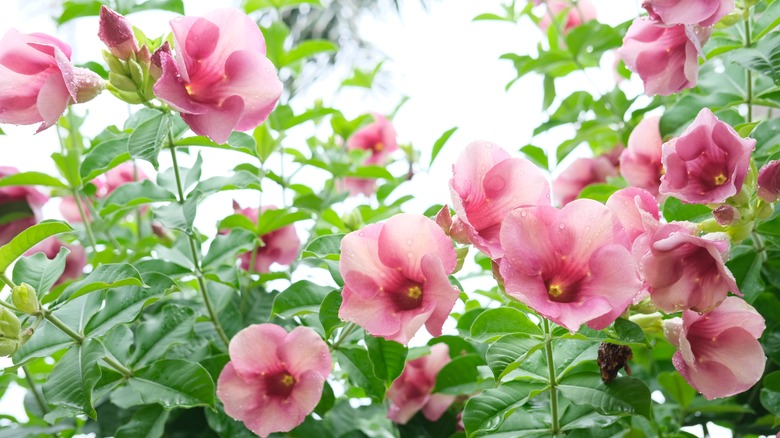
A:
(34, 389)
(85, 221)
(138, 216)
(346, 331)
(113, 363)
(553, 385)
(194, 251)
(748, 73)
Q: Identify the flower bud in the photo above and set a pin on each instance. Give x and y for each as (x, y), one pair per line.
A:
(117, 34)
(444, 220)
(769, 181)
(155, 67)
(87, 83)
(25, 299)
(672, 330)
(9, 332)
(726, 214)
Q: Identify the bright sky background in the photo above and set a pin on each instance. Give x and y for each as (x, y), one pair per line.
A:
(446, 63)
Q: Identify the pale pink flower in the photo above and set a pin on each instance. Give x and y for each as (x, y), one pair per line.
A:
(117, 34)
(719, 353)
(580, 174)
(38, 81)
(74, 261)
(640, 162)
(221, 79)
(582, 12)
(698, 12)
(395, 277)
(411, 391)
(274, 379)
(769, 181)
(664, 57)
(683, 270)
(571, 265)
(486, 185)
(120, 175)
(279, 246)
(22, 204)
(634, 208)
(708, 163)
(379, 139)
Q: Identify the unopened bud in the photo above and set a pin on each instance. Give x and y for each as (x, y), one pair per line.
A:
(87, 84)
(726, 214)
(117, 34)
(25, 299)
(650, 323)
(155, 67)
(444, 220)
(673, 330)
(459, 233)
(9, 332)
(769, 181)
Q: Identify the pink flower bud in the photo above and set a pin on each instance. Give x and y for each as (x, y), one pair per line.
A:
(726, 214)
(155, 65)
(117, 34)
(769, 181)
(581, 12)
(640, 163)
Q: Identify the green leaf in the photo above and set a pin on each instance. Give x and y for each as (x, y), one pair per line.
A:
(271, 220)
(300, 298)
(675, 386)
(764, 58)
(236, 142)
(68, 166)
(32, 179)
(769, 19)
(307, 49)
(103, 157)
(253, 5)
(324, 246)
(329, 312)
(598, 192)
(171, 383)
(629, 332)
(460, 376)
(105, 276)
(29, 238)
(178, 216)
(770, 393)
(387, 357)
(40, 272)
(148, 138)
(494, 323)
(537, 155)
(509, 352)
(226, 246)
(360, 372)
(157, 333)
(148, 422)
(676, 210)
(241, 180)
(71, 382)
(124, 304)
(624, 395)
(134, 194)
(486, 411)
(439, 144)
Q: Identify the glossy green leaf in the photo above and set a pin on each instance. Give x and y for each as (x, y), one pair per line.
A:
(171, 325)
(300, 298)
(440, 142)
(764, 58)
(40, 272)
(170, 383)
(329, 312)
(271, 220)
(770, 393)
(494, 323)
(149, 137)
(360, 372)
(675, 386)
(32, 179)
(134, 194)
(622, 396)
(460, 376)
(307, 49)
(103, 157)
(71, 382)
(28, 238)
(240, 180)
(487, 410)
(508, 352)
(229, 245)
(676, 210)
(103, 277)
(387, 357)
(147, 422)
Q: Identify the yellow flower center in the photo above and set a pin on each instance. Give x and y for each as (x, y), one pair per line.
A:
(720, 179)
(554, 290)
(414, 292)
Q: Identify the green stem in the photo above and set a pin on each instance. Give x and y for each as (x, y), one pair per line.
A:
(346, 331)
(34, 390)
(194, 251)
(138, 216)
(553, 385)
(113, 363)
(748, 73)
(85, 221)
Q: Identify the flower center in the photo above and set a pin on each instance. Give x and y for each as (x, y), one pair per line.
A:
(409, 296)
(280, 384)
(554, 290)
(379, 146)
(720, 179)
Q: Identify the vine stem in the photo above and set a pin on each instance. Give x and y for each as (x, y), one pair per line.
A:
(85, 221)
(34, 389)
(548, 338)
(748, 72)
(348, 329)
(194, 251)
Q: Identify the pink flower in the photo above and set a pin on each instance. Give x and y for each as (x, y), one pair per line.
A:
(39, 81)
(411, 391)
(379, 138)
(707, 163)
(699, 12)
(570, 265)
(580, 174)
(683, 270)
(120, 175)
(395, 277)
(74, 261)
(634, 208)
(719, 353)
(769, 181)
(117, 34)
(20, 207)
(486, 185)
(221, 79)
(280, 246)
(664, 57)
(582, 12)
(274, 379)
(640, 162)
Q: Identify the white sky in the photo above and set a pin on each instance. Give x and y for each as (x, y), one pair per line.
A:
(446, 63)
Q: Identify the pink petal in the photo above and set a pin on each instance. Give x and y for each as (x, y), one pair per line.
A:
(219, 122)
(633, 208)
(303, 350)
(437, 405)
(253, 349)
(240, 397)
(171, 87)
(360, 254)
(53, 99)
(406, 238)
(437, 288)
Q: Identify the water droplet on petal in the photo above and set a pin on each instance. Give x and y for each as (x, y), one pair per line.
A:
(409, 242)
(561, 226)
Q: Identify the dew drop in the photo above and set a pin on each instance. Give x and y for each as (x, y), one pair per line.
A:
(361, 234)
(561, 226)
(409, 242)
(523, 213)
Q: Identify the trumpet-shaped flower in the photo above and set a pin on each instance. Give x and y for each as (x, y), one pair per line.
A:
(279, 246)
(411, 391)
(221, 79)
(640, 162)
(486, 185)
(20, 207)
(719, 353)
(274, 379)
(395, 277)
(571, 265)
